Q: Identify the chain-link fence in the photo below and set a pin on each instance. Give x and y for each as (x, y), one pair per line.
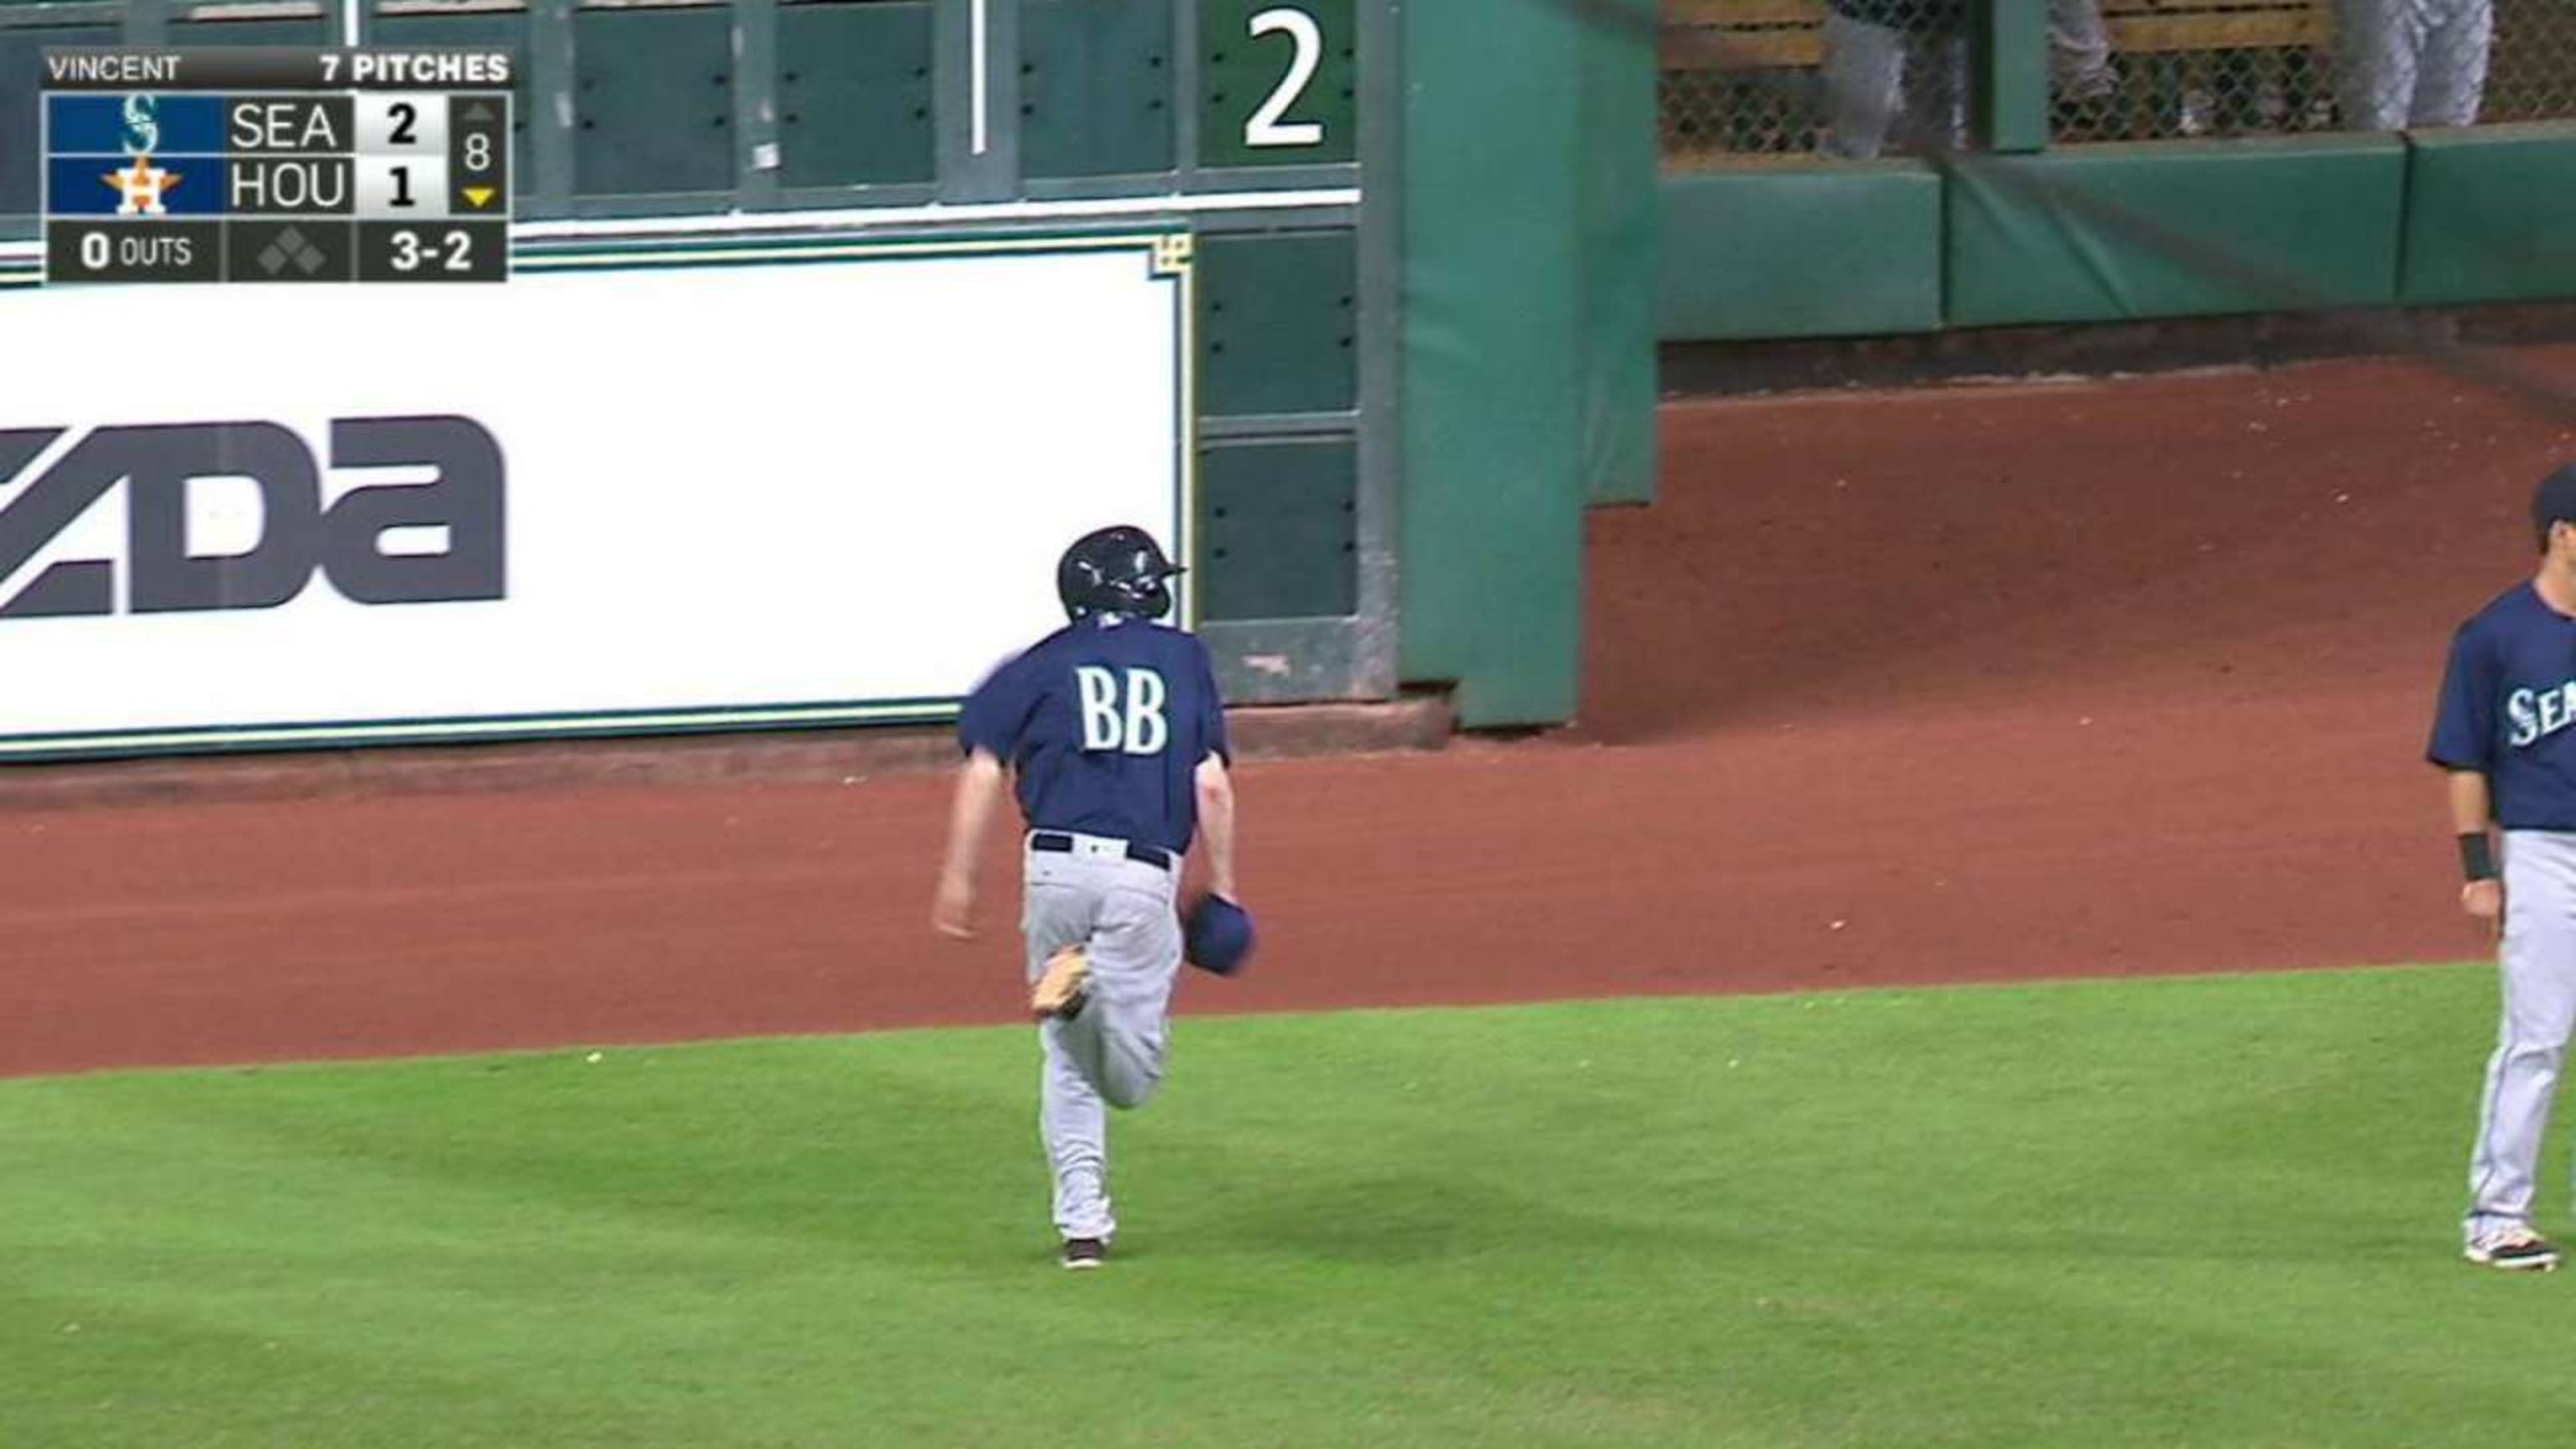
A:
(2532, 74)
(2141, 69)
(1745, 79)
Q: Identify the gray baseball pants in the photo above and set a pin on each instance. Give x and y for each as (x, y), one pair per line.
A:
(2539, 970)
(2079, 48)
(1874, 72)
(1871, 72)
(2404, 63)
(1122, 913)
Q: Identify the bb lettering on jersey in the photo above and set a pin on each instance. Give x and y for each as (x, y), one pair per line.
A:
(1122, 710)
(2542, 712)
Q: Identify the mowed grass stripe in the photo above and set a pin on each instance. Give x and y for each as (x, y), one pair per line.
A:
(2210, 1211)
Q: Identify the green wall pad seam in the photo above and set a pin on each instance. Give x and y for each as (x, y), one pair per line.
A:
(2116, 233)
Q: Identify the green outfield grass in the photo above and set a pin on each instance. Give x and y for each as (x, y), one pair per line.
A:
(2198, 1212)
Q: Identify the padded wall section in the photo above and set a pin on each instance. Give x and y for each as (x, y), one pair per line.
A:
(1619, 217)
(2114, 233)
(2491, 215)
(1491, 541)
(1851, 250)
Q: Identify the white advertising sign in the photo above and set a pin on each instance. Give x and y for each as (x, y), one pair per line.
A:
(697, 487)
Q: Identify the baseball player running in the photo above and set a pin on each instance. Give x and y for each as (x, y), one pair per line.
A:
(2503, 734)
(1114, 730)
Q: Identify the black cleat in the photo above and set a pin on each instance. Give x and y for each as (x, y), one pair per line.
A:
(1085, 1252)
(2514, 1250)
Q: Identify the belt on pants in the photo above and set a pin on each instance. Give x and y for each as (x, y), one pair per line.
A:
(1060, 842)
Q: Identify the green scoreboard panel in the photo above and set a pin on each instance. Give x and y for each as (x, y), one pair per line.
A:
(1280, 83)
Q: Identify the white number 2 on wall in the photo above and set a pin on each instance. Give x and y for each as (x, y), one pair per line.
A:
(1265, 127)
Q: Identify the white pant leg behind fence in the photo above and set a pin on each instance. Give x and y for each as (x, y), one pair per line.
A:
(1121, 912)
(1936, 91)
(2377, 43)
(2079, 48)
(2451, 71)
(1864, 76)
(2538, 961)
(2407, 63)
(1874, 72)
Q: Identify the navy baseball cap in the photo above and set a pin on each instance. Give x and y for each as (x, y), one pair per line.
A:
(2554, 501)
(1217, 936)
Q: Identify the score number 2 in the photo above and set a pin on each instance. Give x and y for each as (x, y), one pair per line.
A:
(1266, 128)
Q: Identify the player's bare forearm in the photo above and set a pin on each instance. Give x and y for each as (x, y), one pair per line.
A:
(970, 815)
(2470, 809)
(1216, 825)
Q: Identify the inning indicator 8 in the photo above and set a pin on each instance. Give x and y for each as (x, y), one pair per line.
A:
(258, 164)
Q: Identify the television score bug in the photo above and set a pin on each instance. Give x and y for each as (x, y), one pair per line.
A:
(261, 164)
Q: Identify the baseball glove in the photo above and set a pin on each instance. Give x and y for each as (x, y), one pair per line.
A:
(1216, 935)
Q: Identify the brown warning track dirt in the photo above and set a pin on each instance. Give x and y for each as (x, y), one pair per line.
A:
(1969, 684)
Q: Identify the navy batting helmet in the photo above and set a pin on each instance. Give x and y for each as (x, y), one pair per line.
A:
(1117, 570)
(2553, 502)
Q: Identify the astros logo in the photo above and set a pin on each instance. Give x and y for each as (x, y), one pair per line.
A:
(141, 184)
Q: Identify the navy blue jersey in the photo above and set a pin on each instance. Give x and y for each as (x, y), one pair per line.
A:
(1105, 722)
(2508, 704)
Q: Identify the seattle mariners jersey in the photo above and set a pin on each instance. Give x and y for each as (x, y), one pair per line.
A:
(1105, 722)
(2508, 709)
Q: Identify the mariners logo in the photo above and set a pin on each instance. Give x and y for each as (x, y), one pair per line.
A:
(142, 125)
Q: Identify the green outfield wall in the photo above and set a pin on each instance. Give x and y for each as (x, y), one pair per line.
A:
(1421, 268)
(2453, 217)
